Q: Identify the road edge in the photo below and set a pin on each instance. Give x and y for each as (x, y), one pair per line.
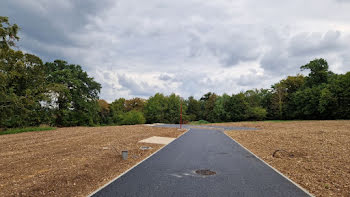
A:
(278, 172)
(105, 185)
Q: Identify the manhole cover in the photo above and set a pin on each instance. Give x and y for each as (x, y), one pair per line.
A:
(205, 172)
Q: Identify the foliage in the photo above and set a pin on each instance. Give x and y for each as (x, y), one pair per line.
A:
(22, 88)
(132, 117)
(76, 96)
(135, 104)
(8, 33)
(104, 112)
(166, 109)
(318, 72)
(220, 110)
(193, 108)
(257, 113)
(155, 109)
(207, 106)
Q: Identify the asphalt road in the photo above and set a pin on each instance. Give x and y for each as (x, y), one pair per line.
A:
(171, 171)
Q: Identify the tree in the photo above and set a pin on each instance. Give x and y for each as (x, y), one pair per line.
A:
(221, 108)
(76, 94)
(305, 103)
(172, 111)
(104, 112)
(281, 95)
(238, 107)
(193, 108)
(8, 33)
(155, 108)
(257, 113)
(135, 104)
(164, 109)
(22, 89)
(339, 86)
(318, 72)
(117, 108)
(327, 104)
(207, 104)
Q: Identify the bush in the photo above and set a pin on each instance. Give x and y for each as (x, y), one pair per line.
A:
(257, 113)
(132, 117)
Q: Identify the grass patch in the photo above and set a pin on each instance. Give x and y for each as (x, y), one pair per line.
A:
(278, 120)
(28, 129)
(199, 122)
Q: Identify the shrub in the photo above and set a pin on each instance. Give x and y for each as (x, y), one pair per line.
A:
(257, 113)
(132, 117)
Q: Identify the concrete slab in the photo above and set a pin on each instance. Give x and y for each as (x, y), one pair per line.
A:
(158, 140)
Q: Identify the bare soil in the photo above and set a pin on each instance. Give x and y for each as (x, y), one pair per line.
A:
(71, 161)
(314, 154)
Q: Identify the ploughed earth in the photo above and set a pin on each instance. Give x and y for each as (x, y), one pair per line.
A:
(314, 154)
(72, 161)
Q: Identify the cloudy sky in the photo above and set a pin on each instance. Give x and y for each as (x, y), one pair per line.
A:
(136, 48)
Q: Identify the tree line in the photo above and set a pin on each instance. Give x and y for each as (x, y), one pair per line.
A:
(61, 94)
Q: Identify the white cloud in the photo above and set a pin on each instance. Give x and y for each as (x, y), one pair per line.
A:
(189, 47)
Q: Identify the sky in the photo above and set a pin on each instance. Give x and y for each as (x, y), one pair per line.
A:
(137, 48)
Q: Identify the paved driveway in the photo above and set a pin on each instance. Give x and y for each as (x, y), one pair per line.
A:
(171, 171)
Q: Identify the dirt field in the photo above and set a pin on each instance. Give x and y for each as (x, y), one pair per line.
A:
(315, 154)
(71, 161)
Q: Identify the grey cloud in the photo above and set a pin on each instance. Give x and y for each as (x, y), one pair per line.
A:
(197, 46)
(165, 77)
(286, 56)
(228, 44)
(315, 43)
(135, 89)
(250, 80)
(51, 22)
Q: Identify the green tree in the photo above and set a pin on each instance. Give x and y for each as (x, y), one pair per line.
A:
(257, 113)
(220, 108)
(281, 95)
(306, 103)
(339, 87)
(22, 89)
(104, 112)
(132, 117)
(155, 109)
(8, 33)
(318, 72)
(172, 112)
(117, 108)
(327, 104)
(164, 109)
(238, 107)
(193, 108)
(207, 105)
(76, 96)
